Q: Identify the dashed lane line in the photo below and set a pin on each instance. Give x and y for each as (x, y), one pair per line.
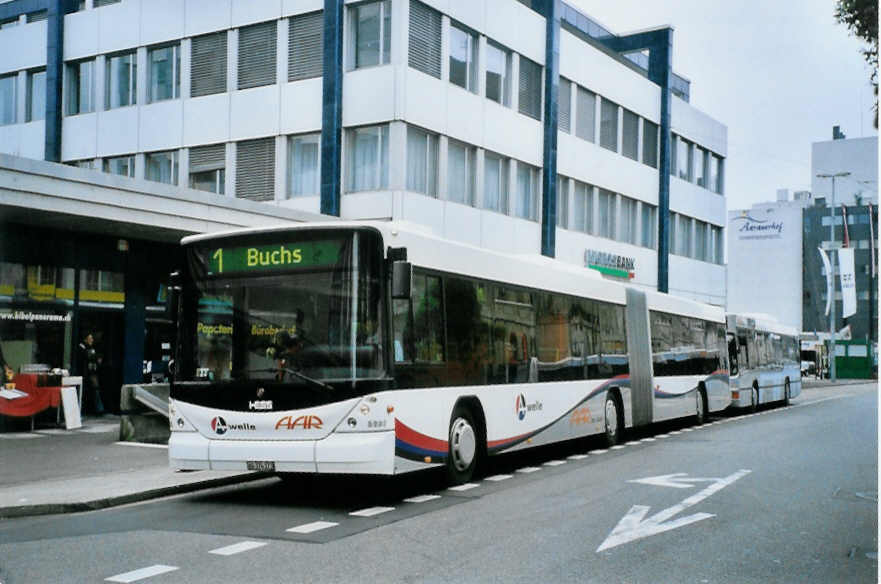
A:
(422, 499)
(237, 548)
(136, 575)
(555, 462)
(312, 527)
(528, 469)
(577, 457)
(371, 511)
(499, 477)
(142, 444)
(465, 487)
(599, 451)
(619, 446)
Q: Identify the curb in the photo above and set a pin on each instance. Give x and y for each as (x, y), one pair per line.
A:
(104, 503)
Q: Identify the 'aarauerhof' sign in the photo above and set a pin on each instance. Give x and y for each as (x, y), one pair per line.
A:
(610, 264)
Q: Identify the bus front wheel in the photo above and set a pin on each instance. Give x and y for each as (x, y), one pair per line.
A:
(462, 451)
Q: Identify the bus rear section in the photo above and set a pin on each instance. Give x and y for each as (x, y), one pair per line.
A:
(765, 361)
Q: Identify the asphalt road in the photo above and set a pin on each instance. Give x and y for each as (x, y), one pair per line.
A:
(788, 495)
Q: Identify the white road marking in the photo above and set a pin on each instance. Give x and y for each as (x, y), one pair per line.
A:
(619, 446)
(678, 480)
(675, 432)
(631, 442)
(52, 431)
(577, 457)
(17, 435)
(687, 429)
(99, 429)
(599, 451)
(647, 440)
(500, 477)
(422, 498)
(555, 462)
(237, 548)
(371, 511)
(312, 527)
(136, 575)
(142, 444)
(634, 525)
(465, 487)
(528, 469)
(662, 436)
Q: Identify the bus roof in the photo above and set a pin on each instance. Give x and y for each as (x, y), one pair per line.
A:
(530, 270)
(763, 322)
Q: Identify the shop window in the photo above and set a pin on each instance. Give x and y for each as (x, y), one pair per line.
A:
(102, 287)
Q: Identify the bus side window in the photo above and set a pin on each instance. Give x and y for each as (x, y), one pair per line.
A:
(732, 354)
(744, 352)
(402, 325)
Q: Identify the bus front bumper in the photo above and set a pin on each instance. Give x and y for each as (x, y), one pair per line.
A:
(348, 453)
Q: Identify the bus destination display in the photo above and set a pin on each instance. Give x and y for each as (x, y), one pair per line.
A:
(256, 258)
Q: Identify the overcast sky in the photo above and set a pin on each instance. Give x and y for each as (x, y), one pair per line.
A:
(779, 74)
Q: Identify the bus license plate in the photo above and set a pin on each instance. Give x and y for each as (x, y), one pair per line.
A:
(261, 465)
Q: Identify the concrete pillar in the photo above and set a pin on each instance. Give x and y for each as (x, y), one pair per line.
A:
(232, 60)
(186, 46)
(442, 165)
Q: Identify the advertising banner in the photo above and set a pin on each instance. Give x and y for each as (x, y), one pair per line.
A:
(828, 266)
(848, 282)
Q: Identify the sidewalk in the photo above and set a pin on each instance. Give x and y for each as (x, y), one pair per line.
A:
(811, 382)
(54, 470)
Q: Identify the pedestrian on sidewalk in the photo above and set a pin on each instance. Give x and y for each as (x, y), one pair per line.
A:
(87, 366)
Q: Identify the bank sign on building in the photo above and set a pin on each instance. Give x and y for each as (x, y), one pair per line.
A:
(765, 262)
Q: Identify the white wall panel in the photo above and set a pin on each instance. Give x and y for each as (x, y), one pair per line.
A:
(694, 201)
(206, 119)
(695, 125)
(289, 7)
(368, 97)
(32, 140)
(254, 112)
(161, 21)
(301, 106)
(471, 14)
(23, 47)
(462, 223)
(80, 34)
(118, 26)
(496, 231)
(162, 125)
(118, 131)
(309, 204)
(512, 134)
(373, 205)
(465, 115)
(204, 16)
(517, 27)
(248, 12)
(697, 280)
(423, 210)
(10, 139)
(425, 100)
(80, 137)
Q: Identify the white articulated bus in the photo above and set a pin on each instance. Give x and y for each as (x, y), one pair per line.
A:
(377, 348)
(765, 360)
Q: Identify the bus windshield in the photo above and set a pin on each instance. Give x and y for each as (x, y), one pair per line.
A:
(291, 307)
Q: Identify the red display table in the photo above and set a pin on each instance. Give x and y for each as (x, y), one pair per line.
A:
(36, 400)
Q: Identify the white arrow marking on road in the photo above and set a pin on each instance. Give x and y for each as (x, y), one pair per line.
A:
(678, 480)
(635, 526)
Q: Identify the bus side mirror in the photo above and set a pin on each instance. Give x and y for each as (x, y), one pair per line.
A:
(172, 299)
(402, 280)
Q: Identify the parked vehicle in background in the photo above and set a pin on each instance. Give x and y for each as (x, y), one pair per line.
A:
(765, 360)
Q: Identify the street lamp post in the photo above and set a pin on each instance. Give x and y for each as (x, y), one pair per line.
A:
(832, 274)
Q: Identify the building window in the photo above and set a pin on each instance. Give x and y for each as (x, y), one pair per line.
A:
(258, 48)
(371, 38)
(422, 150)
(564, 105)
(463, 58)
(89, 163)
(161, 167)
(8, 22)
(649, 213)
(8, 101)
(305, 46)
(650, 143)
(585, 122)
(120, 80)
(208, 64)
(461, 172)
(609, 125)
(304, 165)
(683, 235)
(700, 167)
(425, 39)
(606, 214)
(683, 157)
(495, 183)
(368, 149)
(562, 202)
(37, 16)
(163, 73)
(100, 3)
(528, 189)
(582, 208)
(121, 165)
(498, 74)
(255, 169)
(208, 168)
(630, 135)
(700, 241)
(718, 245)
(715, 177)
(530, 88)
(628, 221)
(81, 87)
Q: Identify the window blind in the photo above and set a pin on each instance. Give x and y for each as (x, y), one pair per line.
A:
(530, 88)
(564, 105)
(255, 169)
(208, 64)
(205, 158)
(425, 39)
(305, 46)
(257, 54)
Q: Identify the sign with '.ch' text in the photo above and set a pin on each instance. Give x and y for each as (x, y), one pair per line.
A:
(276, 256)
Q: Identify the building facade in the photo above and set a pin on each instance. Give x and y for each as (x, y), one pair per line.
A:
(519, 126)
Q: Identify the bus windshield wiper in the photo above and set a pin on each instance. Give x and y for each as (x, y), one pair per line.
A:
(295, 373)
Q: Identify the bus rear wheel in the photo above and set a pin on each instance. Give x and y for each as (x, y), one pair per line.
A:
(462, 453)
(786, 393)
(612, 420)
(754, 400)
(701, 413)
